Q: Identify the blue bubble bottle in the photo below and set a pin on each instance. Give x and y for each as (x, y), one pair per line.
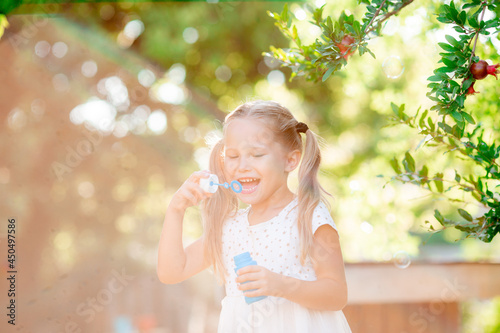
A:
(240, 261)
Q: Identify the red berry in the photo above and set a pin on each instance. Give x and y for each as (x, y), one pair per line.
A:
(481, 69)
(347, 41)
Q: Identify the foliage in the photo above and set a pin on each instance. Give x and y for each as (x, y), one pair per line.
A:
(456, 131)
(324, 57)
(3, 24)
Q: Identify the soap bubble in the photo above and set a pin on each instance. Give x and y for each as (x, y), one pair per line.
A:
(393, 67)
(401, 259)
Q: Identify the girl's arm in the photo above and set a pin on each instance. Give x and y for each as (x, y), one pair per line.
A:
(176, 264)
(329, 291)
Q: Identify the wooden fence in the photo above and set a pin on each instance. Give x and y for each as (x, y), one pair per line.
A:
(424, 297)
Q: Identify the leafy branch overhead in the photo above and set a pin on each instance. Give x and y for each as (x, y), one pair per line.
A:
(451, 128)
(450, 86)
(339, 39)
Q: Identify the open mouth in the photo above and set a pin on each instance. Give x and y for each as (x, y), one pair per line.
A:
(249, 184)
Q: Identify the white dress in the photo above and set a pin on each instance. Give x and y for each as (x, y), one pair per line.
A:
(273, 244)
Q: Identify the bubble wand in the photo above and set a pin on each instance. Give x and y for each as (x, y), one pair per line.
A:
(211, 184)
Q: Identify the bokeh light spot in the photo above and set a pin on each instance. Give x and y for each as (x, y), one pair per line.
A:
(157, 122)
(60, 82)
(89, 68)
(177, 73)
(170, 93)
(42, 48)
(133, 29)
(63, 240)
(86, 189)
(276, 78)
(366, 227)
(125, 224)
(59, 49)
(190, 35)
(223, 73)
(146, 77)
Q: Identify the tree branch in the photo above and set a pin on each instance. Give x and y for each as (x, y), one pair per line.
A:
(386, 16)
(477, 33)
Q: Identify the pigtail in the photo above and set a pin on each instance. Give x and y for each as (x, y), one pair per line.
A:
(215, 210)
(310, 192)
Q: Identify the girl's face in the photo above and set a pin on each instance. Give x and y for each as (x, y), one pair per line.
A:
(256, 160)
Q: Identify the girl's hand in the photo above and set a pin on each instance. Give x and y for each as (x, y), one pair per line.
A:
(190, 193)
(266, 282)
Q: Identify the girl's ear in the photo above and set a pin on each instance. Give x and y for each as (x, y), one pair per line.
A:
(292, 160)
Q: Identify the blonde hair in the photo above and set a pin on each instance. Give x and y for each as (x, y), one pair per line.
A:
(224, 203)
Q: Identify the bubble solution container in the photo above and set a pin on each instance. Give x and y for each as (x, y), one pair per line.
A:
(240, 261)
(208, 184)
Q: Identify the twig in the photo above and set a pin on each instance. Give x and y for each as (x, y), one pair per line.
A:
(477, 33)
(374, 16)
(386, 16)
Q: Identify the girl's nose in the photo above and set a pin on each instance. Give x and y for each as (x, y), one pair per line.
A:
(243, 164)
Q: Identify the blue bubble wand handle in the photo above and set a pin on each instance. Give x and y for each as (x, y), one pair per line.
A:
(211, 184)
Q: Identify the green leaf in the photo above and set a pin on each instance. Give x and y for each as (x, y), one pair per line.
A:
(473, 22)
(465, 214)
(423, 173)
(395, 109)
(327, 74)
(447, 128)
(285, 13)
(395, 165)
(409, 163)
(444, 70)
(463, 17)
(461, 100)
(431, 124)
(449, 63)
(439, 182)
(443, 19)
(439, 217)
(434, 78)
(401, 111)
(468, 118)
(371, 53)
(350, 28)
(422, 119)
(467, 83)
(465, 228)
(457, 116)
(294, 32)
(447, 47)
(453, 41)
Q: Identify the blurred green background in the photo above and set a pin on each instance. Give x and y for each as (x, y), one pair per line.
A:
(105, 110)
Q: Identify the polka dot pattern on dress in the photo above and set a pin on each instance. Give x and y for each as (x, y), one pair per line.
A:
(273, 244)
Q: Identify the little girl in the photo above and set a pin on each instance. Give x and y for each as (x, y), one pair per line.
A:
(292, 237)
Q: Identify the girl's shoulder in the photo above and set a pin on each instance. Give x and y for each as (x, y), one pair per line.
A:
(322, 216)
